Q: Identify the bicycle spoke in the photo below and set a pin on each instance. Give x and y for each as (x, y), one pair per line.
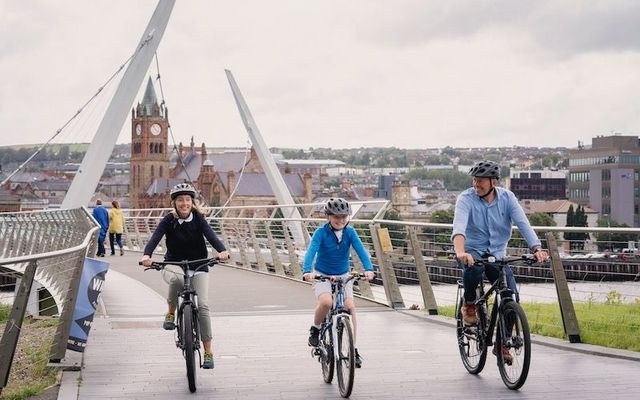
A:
(514, 346)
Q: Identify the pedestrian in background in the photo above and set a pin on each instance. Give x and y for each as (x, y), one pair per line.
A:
(102, 216)
(116, 227)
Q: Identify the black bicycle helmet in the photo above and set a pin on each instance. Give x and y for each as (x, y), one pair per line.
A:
(183, 188)
(337, 206)
(485, 169)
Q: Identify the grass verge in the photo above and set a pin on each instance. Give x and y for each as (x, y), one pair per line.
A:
(29, 372)
(608, 325)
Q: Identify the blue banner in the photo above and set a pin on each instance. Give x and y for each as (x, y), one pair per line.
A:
(91, 281)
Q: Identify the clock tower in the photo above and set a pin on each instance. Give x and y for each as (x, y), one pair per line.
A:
(149, 142)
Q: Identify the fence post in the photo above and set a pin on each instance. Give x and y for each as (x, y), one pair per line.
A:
(423, 275)
(277, 264)
(14, 325)
(256, 248)
(364, 286)
(59, 345)
(568, 313)
(293, 257)
(389, 279)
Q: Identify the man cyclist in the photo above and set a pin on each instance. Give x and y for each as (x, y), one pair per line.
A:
(482, 224)
(332, 243)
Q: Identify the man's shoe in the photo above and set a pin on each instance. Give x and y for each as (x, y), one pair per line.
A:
(469, 316)
(121, 252)
(506, 355)
(314, 336)
(169, 323)
(208, 361)
(358, 360)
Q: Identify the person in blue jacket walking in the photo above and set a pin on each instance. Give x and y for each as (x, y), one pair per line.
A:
(330, 248)
(102, 216)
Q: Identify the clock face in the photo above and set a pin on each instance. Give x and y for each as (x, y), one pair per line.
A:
(155, 129)
(138, 129)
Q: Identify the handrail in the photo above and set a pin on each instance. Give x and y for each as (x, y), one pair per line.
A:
(57, 253)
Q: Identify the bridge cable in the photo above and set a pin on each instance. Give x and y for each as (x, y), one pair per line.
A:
(181, 159)
(80, 110)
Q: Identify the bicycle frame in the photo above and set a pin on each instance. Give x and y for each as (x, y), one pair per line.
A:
(512, 345)
(336, 347)
(188, 303)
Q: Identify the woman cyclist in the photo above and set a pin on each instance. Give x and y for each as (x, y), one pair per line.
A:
(332, 243)
(185, 229)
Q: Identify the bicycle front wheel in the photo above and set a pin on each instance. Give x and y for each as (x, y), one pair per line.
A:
(471, 341)
(188, 337)
(513, 345)
(326, 357)
(345, 361)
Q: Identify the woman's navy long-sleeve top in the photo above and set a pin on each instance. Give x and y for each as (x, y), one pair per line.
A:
(185, 241)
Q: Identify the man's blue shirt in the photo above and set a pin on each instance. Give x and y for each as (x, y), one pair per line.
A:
(487, 227)
(333, 257)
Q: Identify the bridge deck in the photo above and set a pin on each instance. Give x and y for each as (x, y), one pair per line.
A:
(260, 330)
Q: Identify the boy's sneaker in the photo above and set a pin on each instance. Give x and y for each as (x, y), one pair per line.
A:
(208, 361)
(358, 360)
(314, 336)
(169, 323)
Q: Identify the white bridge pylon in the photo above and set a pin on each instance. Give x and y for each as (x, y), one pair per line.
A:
(275, 179)
(95, 160)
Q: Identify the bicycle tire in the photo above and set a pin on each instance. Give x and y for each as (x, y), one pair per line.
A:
(472, 342)
(345, 362)
(189, 350)
(326, 357)
(517, 340)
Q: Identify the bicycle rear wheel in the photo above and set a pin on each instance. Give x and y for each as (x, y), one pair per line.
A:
(471, 340)
(345, 362)
(188, 335)
(326, 356)
(513, 345)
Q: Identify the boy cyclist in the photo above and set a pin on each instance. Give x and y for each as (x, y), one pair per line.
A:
(332, 243)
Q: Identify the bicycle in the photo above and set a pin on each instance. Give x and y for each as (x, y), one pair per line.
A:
(507, 318)
(187, 334)
(336, 347)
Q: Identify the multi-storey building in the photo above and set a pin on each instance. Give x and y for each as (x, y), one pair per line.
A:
(538, 184)
(606, 177)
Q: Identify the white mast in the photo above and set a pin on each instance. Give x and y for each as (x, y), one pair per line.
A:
(88, 176)
(268, 164)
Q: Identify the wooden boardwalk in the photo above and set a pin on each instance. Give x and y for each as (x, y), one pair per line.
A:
(260, 331)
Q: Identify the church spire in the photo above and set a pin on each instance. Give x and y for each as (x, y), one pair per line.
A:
(150, 99)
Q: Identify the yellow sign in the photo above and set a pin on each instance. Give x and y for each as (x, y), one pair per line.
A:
(385, 240)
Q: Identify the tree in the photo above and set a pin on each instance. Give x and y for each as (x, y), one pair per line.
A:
(396, 232)
(535, 219)
(577, 218)
(441, 237)
(613, 240)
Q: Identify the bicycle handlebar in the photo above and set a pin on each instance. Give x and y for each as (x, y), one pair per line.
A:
(353, 276)
(204, 262)
(528, 259)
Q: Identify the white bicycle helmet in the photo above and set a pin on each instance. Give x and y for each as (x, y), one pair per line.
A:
(183, 188)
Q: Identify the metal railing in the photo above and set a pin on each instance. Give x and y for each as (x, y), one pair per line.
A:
(414, 262)
(47, 247)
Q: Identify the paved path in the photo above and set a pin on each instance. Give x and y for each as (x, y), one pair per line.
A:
(260, 328)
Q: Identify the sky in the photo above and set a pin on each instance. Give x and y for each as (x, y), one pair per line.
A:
(329, 73)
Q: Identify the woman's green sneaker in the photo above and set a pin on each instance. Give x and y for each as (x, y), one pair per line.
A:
(208, 361)
(168, 322)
